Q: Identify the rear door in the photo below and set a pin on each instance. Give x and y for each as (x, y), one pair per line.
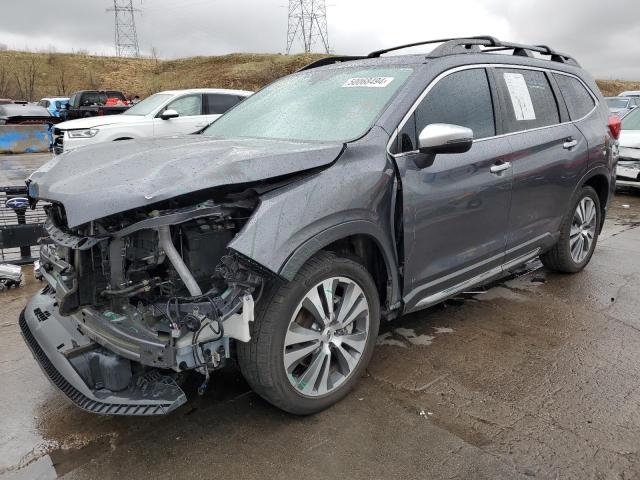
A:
(549, 155)
(191, 117)
(455, 210)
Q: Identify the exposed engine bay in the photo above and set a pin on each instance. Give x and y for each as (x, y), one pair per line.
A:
(157, 287)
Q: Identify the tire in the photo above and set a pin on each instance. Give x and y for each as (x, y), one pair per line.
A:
(560, 258)
(262, 359)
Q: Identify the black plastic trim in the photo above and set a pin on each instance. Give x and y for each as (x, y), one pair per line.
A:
(77, 397)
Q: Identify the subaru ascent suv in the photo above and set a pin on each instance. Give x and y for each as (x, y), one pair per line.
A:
(353, 191)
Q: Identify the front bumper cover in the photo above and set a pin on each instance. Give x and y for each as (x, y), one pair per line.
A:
(52, 338)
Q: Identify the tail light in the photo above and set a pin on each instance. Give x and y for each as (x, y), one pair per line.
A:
(615, 126)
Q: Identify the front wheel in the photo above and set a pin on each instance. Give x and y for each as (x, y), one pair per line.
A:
(578, 234)
(313, 337)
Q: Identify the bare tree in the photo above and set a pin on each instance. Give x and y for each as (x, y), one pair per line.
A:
(156, 62)
(25, 76)
(61, 79)
(4, 81)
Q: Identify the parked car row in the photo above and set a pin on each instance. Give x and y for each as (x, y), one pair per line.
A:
(620, 106)
(165, 113)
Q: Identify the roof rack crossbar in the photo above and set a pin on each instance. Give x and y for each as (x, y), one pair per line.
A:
(453, 46)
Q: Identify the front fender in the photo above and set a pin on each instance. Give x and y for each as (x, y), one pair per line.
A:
(356, 227)
(352, 197)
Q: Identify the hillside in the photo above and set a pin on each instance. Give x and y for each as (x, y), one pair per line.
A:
(26, 75)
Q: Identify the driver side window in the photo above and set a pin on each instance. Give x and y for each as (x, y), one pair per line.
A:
(461, 98)
(188, 105)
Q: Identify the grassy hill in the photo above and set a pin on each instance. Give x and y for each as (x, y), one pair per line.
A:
(26, 75)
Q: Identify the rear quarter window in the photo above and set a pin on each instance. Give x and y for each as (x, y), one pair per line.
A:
(578, 100)
(528, 99)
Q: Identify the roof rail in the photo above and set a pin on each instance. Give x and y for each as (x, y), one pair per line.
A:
(489, 41)
(455, 46)
(329, 61)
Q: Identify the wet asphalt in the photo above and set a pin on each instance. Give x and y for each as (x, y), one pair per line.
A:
(536, 376)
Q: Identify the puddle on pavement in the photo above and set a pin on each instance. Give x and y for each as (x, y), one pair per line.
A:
(405, 337)
(66, 437)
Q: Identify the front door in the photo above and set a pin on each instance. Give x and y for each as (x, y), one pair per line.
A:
(191, 117)
(455, 211)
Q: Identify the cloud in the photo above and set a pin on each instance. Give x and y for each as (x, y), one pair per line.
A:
(599, 34)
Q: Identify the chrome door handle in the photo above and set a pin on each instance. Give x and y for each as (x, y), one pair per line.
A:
(500, 167)
(568, 145)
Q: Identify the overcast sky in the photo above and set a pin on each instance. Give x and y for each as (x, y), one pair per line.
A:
(603, 35)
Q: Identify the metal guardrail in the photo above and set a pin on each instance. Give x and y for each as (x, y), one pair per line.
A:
(20, 227)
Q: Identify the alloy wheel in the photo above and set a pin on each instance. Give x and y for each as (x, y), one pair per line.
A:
(583, 229)
(326, 336)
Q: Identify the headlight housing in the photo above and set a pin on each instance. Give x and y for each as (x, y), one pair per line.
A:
(88, 133)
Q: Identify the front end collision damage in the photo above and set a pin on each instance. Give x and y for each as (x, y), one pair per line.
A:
(132, 301)
(168, 287)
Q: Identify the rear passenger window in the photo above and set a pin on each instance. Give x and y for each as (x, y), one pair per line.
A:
(529, 99)
(579, 101)
(462, 98)
(217, 104)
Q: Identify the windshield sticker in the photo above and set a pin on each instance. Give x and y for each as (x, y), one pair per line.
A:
(368, 82)
(520, 97)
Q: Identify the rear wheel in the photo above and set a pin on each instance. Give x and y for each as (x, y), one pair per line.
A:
(313, 337)
(578, 234)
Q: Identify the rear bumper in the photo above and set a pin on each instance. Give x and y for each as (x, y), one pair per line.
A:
(54, 340)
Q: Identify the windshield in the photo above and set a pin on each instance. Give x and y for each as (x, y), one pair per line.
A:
(317, 105)
(148, 105)
(632, 120)
(617, 102)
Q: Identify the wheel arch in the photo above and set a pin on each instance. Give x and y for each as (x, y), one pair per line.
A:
(600, 180)
(360, 240)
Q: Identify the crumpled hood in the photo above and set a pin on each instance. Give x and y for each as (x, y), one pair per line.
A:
(108, 178)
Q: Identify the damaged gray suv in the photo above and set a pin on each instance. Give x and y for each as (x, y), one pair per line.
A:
(358, 189)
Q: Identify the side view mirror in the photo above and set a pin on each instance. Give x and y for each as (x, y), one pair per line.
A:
(442, 138)
(168, 114)
(445, 138)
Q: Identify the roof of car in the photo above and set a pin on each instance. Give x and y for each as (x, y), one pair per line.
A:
(243, 93)
(15, 110)
(55, 99)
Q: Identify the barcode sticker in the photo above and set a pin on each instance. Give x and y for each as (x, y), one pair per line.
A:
(368, 82)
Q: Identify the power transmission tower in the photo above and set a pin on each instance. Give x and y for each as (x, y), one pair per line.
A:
(126, 37)
(308, 23)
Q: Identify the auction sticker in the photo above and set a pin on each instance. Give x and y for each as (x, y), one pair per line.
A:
(520, 96)
(368, 82)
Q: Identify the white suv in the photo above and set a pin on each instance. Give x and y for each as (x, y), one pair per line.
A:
(165, 113)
